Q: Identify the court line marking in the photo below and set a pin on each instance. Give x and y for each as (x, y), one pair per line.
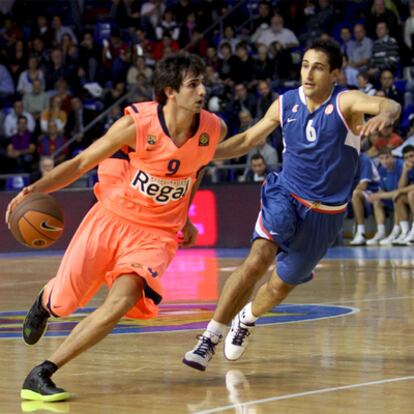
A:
(304, 394)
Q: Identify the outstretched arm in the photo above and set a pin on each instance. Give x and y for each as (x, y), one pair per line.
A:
(242, 143)
(385, 111)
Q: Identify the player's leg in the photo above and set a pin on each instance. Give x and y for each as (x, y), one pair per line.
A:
(123, 295)
(358, 200)
(236, 292)
(379, 215)
(409, 240)
(401, 208)
(78, 277)
(315, 233)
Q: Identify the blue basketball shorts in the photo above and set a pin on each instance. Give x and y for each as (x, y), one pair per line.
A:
(302, 229)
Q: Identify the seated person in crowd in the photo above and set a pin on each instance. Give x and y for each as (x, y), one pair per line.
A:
(387, 138)
(21, 148)
(404, 199)
(258, 169)
(51, 142)
(390, 170)
(46, 165)
(368, 183)
(409, 140)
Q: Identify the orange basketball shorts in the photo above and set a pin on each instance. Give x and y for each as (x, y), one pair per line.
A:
(104, 247)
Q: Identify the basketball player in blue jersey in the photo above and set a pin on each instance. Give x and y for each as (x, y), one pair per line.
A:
(302, 206)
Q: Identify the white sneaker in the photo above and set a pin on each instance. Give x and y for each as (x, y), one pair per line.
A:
(391, 237)
(409, 240)
(358, 240)
(400, 240)
(236, 340)
(376, 239)
(201, 354)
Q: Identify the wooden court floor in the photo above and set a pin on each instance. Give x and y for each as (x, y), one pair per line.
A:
(342, 344)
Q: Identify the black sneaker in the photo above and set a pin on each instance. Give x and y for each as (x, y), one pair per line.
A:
(35, 322)
(39, 387)
(201, 354)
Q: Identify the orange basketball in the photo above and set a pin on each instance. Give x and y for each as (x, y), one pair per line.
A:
(37, 221)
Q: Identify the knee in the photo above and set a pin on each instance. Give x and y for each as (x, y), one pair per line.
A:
(357, 195)
(63, 309)
(255, 266)
(278, 289)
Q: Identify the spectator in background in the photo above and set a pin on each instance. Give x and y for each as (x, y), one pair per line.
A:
(89, 57)
(258, 170)
(56, 69)
(142, 90)
(51, 141)
(265, 98)
(379, 13)
(151, 12)
(229, 38)
(387, 138)
(164, 46)
(53, 114)
(268, 153)
(114, 114)
(46, 165)
(385, 52)
(60, 30)
(319, 20)
(168, 25)
(21, 147)
(262, 65)
(6, 84)
(390, 170)
(243, 100)
(37, 101)
(243, 70)
(397, 152)
(275, 33)
(39, 50)
(263, 17)
(26, 78)
(409, 28)
(364, 85)
(387, 85)
(139, 68)
(360, 51)
(346, 40)
(368, 183)
(404, 199)
(227, 63)
(116, 56)
(111, 96)
(282, 62)
(42, 31)
(16, 59)
(12, 118)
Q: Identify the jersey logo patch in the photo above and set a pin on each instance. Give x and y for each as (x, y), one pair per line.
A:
(151, 139)
(204, 140)
(295, 108)
(160, 190)
(329, 109)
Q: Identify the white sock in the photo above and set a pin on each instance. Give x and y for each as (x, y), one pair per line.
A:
(361, 229)
(381, 229)
(395, 229)
(215, 330)
(405, 228)
(247, 316)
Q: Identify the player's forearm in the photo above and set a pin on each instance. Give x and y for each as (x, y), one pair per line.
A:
(403, 181)
(406, 189)
(390, 107)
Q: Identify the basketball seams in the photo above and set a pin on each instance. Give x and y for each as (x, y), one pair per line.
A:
(37, 229)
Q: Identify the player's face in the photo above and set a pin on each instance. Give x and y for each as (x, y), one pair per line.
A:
(192, 93)
(409, 158)
(317, 78)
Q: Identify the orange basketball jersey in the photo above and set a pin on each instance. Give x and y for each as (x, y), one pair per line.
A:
(157, 185)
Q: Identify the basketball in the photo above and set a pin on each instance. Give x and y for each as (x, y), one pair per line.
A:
(37, 221)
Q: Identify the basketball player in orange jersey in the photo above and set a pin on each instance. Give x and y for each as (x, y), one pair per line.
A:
(128, 238)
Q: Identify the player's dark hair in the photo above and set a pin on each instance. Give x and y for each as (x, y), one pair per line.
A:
(171, 71)
(331, 50)
(408, 148)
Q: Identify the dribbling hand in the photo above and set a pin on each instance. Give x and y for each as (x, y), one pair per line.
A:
(15, 201)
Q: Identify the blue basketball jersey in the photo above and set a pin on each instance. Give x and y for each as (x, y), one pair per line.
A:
(410, 176)
(320, 159)
(390, 178)
(369, 173)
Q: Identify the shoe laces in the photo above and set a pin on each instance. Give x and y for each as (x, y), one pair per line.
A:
(205, 347)
(239, 335)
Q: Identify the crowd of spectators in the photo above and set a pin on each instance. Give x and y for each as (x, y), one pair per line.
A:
(58, 73)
